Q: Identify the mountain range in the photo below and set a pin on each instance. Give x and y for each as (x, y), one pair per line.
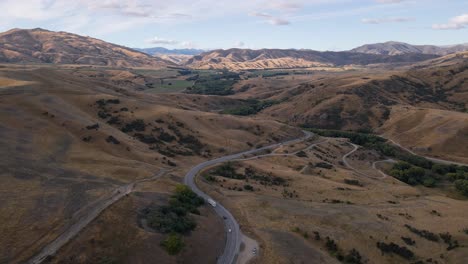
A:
(245, 59)
(400, 48)
(44, 46)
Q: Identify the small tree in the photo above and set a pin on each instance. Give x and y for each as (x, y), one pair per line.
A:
(173, 244)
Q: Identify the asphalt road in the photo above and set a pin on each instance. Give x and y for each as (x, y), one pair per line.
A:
(233, 238)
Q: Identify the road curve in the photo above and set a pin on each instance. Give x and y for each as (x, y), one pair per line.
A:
(355, 148)
(233, 238)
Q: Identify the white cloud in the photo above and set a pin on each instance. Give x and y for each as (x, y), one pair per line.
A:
(239, 44)
(458, 22)
(389, 1)
(188, 45)
(271, 19)
(386, 20)
(162, 41)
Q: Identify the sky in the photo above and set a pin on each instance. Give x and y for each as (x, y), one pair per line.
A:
(212, 24)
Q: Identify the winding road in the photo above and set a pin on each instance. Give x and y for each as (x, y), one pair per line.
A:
(233, 238)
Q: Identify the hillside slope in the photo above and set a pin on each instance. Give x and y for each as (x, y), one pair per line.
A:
(69, 141)
(43, 46)
(398, 48)
(242, 59)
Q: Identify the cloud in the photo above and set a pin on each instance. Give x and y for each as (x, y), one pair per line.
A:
(285, 6)
(276, 21)
(386, 20)
(239, 44)
(458, 22)
(162, 41)
(389, 1)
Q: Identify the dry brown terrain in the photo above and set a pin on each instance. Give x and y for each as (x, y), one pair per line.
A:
(43, 46)
(244, 59)
(72, 135)
(355, 214)
(57, 161)
(430, 132)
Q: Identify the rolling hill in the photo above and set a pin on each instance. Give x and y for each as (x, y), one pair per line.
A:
(243, 59)
(399, 48)
(43, 46)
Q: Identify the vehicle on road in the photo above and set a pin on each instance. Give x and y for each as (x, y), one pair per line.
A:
(230, 230)
(212, 202)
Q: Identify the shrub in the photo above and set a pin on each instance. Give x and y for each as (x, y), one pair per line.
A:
(423, 233)
(95, 126)
(447, 238)
(209, 178)
(396, 249)
(136, 125)
(353, 257)
(248, 187)
(173, 244)
(462, 186)
(164, 136)
(250, 107)
(408, 241)
(113, 140)
(352, 182)
(148, 139)
(301, 154)
(324, 165)
(227, 170)
(331, 245)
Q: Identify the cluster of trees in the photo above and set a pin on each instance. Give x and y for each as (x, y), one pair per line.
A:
(445, 237)
(175, 218)
(264, 179)
(135, 125)
(448, 239)
(377, 143)
(215, 84)
(414, 169)
(412, 175)
(352, 257)
(228, 170)
(250, 107)
(423, 233)
(396, 249)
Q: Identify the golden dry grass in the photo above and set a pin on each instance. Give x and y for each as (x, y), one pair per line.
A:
(377, 211)
(430, 132)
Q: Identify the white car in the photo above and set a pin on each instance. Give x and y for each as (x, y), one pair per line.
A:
(230, 230)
